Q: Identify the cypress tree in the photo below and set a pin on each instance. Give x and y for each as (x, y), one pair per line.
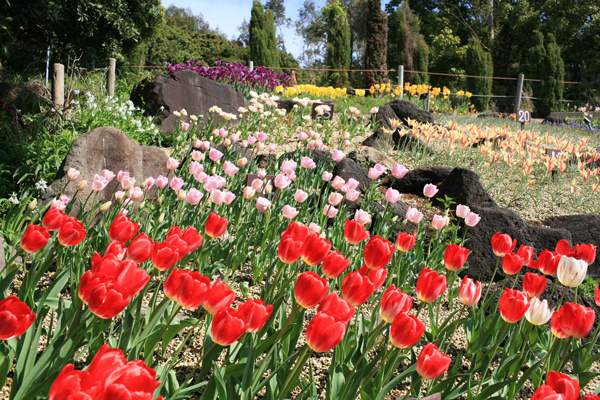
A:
(263, 44)
(376, 43)
(546, 64)
(338, 54)
(422, 64)
(479, 63)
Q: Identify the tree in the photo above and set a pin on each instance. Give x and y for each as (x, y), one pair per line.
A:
(263, 44)
(310, 27)
(479, 63)
(376, 44)
(338, 43)
(278, 9)
(545, 63)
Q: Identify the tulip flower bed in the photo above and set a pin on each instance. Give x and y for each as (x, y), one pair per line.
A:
(134, 298)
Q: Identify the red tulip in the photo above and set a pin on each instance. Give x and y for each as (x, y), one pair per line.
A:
(406, 330)
(513, 305)
(73, 384)
(526, 253)
(432, 362)
(430, 285)
(103, 296)
(563, 248)
(228, 326)
(15, 318)
(556, 325)
(296, 231)
(394, 302)
(545, 392)
(377, 277)
(187, 288)
(122, 229)
(356, 288)
(218, 297)
(315, 249)
(597, 296)
(548, 262)
(164, 255)
(71, 233)
(324, 332)
(54, 219)
(455, 257)
(586, 252)
(289, 250)
(125, 273)
(469, 292)
(534, 284)
(502, 244)
(337, 308)
(105, 362)
(255, 314)
(334, 264)
(378, 252)
(180, 244)
(134, 381)
(355, 232)
(34, 238)
(564, 385)
(512, 264)
(310, 289)
(116, 248)
(576, 319)
(215, 225)
(405, 242)
(590, 396)
(192, 238)
(140, 248)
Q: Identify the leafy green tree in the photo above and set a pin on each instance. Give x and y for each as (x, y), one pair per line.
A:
(263, 44)
(545, 63)
(338, 43)
(376, 44)
(479, 63)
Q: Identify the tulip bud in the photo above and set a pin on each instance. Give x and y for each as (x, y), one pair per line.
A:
(242, 162)
(121, 197)
(144, 184)
(160, 199)
(181, 195)
(105, 206)
(161, 218)
(268, 190)
(226, 142)
(31, 206)
(81, 186)
(142, 205)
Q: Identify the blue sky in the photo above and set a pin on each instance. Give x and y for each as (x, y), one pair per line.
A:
(229, 14)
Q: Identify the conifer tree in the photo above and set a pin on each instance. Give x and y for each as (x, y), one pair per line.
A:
(546, 64)
(338, 54)
(263, 44)
(376, 43)
(479, 63)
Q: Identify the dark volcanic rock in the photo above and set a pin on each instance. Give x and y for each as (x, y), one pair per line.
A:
(348, 168)
(584, 228)
(183, 89)
(482, 259)
(369, 156)
(406, 109)
(414, 181)
(464, 187)
(287, 105)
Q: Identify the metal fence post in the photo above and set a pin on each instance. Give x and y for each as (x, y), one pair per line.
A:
(401, 80)
(110, 84)
(251, 65)
(519, 92)
(58, 85)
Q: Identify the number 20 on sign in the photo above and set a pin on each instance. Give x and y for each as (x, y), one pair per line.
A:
(524, 117)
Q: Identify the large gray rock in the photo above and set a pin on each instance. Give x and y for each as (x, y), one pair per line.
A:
(369, 156)
(348, 168)
(406, 109)
(106, 148)
(183, 89)
(415, 179)
(464, 187)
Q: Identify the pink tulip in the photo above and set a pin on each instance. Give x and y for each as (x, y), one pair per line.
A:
(108, 175)
(374, 173)
(135, 193)
(398, 171)
(234, 138)
(311, 144)
(176, 183)
(362, 216)
(302, 136)
(282, 181)
(197, 143)
(201, 177)
(215, 155)
(439, 222)
(261, 136)
(248, 192)
(205, 145)
(462, 211)
(244, 143)
(472, 219)
(337, 155)
(127, 183)
(343, 189)
(58, 204)
(194, 196)
(300, 196)
(330, 211)
(149, 183)
(347, 143)
(263, 204)
(195, 166)
(260, 146)
(226, 142)
(210, 184)
(256, 184)
(172, 164)
(430, 190)
(338, 182)
(228, 197)
(223, 133)
(220, 181)
(307, 162)
(352, 184)
(335, 199)
(242, 162)
(327, 176)
(251, 140)
(289, 212)
(229, 168)
(413, 215)
(272, 147)
(217, 197)
(288, 167)
(352, 195)
(262, 173)
(65, 199)
(162, 181)
(99, 183)
(185, 126)
(72, 174)
(380, 168)
(392, 195)
(311, 134)
(314, 227)
(346, 135)
(121, 175)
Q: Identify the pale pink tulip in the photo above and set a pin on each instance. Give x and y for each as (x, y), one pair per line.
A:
(256, 184)
(472, 219)
(272, 147)
(72, 174)
(344, 189)
(261, 136)
(230, 169)
(430, 190)
(318, 143)
(176, 183)
(300, 196)
(282, 181)
(337, 155)
(181, 195)
(335, 199)
(288, 167)
(108, 175)
(248, 192)
(438, 222)
(262, 173)
(352, 195)
(398, 171)
(226, 142)
(314, 227)
(462, 211)
(352, 184)
(210, 184)
(307, 162)
(262, 204)
(220, 181)
(242, 162)
(65, 199)
(197, 156)
(162, 181)
(196, 167)
(374, 110)
(127, 183)
(228, 197)
(215, 155)
(172, 164)
(302, 136)
(197, 143)
(185, 126)
(99, 183)
(149, 183)
(58, 204)
(244, 143)
(362, 216)
(205, 145)
(234, 137)
(413, 215)
(223, 133)
(260, 146)
(311, 144)
(201, 177)
(380, 168)
(122, 175)
(217, 197)
(135, 193)
(347, 143)
(346, 135)
(194, 196)
(338, 182)
(330, 211)
(251, 140)
(392, 195)
(327, 176)
(374, 174)
(289, 212)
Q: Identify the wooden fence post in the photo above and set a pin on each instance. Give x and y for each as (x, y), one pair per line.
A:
(110, 83)
(58, 86)
(519, 93)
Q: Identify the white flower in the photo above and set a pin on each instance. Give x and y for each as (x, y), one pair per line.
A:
(13, 198)
(538, 312)
(571, 271)
(41, 185)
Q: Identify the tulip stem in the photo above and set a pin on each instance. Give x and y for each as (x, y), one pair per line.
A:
(564, 356)
(547, 361)
(369, 344)
(412, 387)
(493, 352)
(519, 364)
(185, 381)
(576, 294)
(277, 276)
(491, 281)
(553, 287)
(419, 309)
(375, 370)
(562, 296)
(302, 359)
(455, 328)
(515, 280)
